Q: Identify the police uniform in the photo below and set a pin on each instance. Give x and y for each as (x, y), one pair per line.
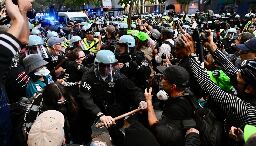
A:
(91, 45)
(110, 97)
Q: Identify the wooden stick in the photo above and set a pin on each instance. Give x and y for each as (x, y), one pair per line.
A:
(99, 125)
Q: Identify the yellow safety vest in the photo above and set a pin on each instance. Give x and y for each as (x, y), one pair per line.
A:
(92, 46)
(247, 25)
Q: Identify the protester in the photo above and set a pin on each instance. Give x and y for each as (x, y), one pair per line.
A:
(11, 41)
(47, 130)
(101, 67)
(244, 111)
(170, 130)
(102, 92)
(40, 76)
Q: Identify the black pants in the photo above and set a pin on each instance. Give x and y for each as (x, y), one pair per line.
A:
(17, 116)
(81, 128)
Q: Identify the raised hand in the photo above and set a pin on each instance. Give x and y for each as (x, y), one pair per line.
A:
(148, 94)
(25, 5)
(13, 10)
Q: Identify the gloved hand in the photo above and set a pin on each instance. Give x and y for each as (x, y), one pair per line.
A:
(143, 105)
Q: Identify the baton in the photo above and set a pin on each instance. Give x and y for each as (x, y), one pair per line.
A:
(99, 125)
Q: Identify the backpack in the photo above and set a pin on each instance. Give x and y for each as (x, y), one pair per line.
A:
(210, 128)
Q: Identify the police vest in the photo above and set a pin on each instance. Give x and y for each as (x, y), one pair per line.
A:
(92, 47)
(247, 25)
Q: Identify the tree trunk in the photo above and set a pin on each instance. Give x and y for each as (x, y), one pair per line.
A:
(129, 20)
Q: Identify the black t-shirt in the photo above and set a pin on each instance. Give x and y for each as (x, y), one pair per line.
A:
(178, 108)
(170, 131)
(138, 135)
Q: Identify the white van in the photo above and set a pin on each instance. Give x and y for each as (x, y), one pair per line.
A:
(65, 17)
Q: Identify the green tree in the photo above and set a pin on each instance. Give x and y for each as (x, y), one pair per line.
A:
(130, 3)
(184, 4)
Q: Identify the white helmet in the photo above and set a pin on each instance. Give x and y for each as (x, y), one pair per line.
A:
(35, 40)
(86, 26)
(247, 15)
(127, 39)
(35, 31)
(75, 39)
(232, 30)
(52, 34)
(123, 25)
(237, 16)
(217, 15)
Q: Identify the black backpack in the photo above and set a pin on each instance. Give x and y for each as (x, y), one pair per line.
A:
(210, 128)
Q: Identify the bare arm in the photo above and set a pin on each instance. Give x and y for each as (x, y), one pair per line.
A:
(25, 30)
(152, 119)
(24, 7)
(17, 20)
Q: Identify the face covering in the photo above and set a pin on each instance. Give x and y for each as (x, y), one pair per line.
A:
(42, 72)
(162, 95)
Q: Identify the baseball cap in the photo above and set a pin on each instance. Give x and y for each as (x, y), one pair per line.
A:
(245, 36)
(175, 74)
(249, 130)
(155, 33)
(249, 45)
(142, 36)
(54, 40)
(47, 129)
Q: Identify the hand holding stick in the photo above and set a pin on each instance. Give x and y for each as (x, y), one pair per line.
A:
(100, 125)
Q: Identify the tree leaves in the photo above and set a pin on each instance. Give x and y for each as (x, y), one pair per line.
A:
(183, 2)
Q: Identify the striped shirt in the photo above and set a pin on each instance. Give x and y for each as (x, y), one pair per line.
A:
(238, 112)
(9, 48)
(229, 68)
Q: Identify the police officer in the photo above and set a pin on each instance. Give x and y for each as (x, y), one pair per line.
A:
(104, 91)
(91, 45)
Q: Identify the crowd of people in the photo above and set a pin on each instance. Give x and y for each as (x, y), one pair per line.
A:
(198, 70)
